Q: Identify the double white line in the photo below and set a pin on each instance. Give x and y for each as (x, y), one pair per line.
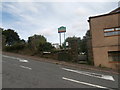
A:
(107, 77)
(89, 84)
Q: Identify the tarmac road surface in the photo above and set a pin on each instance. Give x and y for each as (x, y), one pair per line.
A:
(25, 73)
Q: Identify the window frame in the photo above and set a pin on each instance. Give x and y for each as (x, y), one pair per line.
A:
(114, 30)
(115, 55)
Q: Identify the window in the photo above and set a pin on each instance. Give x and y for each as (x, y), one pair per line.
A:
(117, 28)
(114, 56)
(112, 31)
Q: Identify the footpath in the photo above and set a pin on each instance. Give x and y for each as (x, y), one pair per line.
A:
(75, 65)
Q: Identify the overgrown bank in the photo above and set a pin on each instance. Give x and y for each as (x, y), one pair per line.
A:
(37, 45)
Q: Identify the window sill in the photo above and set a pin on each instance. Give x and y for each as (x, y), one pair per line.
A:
(114, 61)
(111, 35)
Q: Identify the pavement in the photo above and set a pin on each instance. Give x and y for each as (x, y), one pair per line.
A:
(23, 72)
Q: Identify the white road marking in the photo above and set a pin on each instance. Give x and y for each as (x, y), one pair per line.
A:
(21, 66)
(21, 60)
(85, 83)
(9, 57)
(106, 77)
(25, 67)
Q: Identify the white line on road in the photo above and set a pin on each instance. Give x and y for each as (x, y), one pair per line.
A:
(106, 77)
(89, 84)
(20, 60)
(25, 67)
(9, 57)
(21, 66)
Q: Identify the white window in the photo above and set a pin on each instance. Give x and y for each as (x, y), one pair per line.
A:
(117, 28)
(112, 32)
(112, 29)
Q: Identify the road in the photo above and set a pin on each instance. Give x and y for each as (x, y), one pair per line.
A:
(26, 73)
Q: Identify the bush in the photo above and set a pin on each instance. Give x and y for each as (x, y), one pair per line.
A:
(15, 47)
(64, 56)
(45, 47)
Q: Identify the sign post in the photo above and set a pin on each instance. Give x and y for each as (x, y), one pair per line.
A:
(64, 41)
(60, 39)
(62, 29)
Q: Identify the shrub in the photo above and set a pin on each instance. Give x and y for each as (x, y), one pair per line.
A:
(64, 56)
(45, 47)
(15, 47)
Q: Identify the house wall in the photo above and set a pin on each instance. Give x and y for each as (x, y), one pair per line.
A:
(101, 44)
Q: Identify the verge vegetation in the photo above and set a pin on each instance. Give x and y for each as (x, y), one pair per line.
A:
(37, 45)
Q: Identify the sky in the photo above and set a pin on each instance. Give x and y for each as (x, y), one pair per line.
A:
(44, 18)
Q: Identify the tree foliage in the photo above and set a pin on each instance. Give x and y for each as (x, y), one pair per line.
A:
(3, 41)
(45, 47)
(15, 48)
(81, 43)
(11, 41)
(84, 46)
(70, 39)
(35, 40)
(37, 44)
(74, 43)
(11, 36)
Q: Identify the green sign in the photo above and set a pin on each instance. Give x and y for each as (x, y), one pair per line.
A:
(61, 29)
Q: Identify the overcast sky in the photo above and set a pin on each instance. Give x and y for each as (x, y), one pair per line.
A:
(44, 18)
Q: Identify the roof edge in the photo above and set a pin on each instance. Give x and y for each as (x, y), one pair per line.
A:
(103, 15)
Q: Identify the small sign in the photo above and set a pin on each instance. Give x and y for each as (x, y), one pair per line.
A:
(61, 29)
(67, 44)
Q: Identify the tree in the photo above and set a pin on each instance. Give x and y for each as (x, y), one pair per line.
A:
(89, 50)
(45, 47)
(35, 40)
(3, 41)
(11, 36)
(87, 34)
(22, 41)
(72, 40)
(84, 45)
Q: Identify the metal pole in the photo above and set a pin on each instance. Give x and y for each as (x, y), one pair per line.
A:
(60, 39)
(64, 40)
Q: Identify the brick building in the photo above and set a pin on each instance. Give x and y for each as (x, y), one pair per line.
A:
(105, 34)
